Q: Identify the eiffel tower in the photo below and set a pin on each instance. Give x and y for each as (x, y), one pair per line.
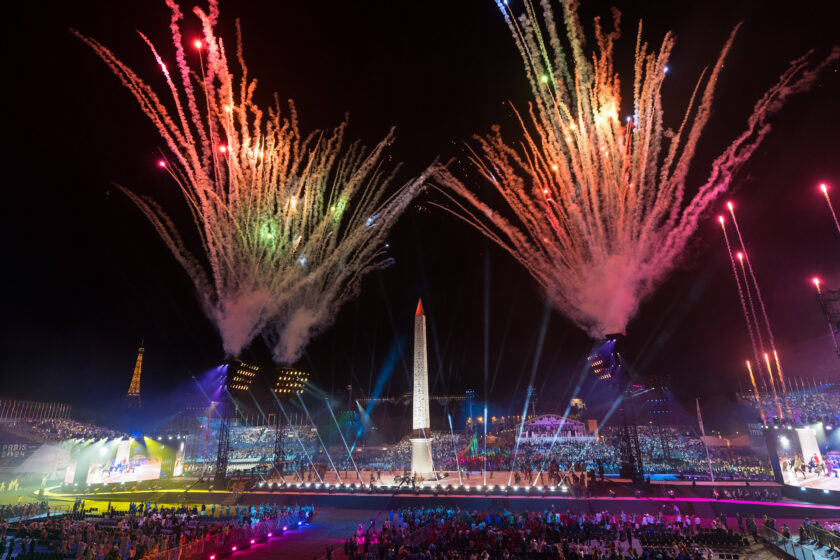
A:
(132, 398)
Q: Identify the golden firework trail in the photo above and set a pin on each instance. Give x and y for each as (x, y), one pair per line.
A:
(289, 223)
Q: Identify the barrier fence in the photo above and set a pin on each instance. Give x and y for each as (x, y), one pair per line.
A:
(419, 535)
(821, 537)
(226, 542)
(52, 511)
(785, 544)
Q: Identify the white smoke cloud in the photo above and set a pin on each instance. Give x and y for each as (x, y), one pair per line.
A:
(241, 317)
(295, 333)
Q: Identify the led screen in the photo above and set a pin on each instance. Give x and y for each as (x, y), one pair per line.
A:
(805, 458)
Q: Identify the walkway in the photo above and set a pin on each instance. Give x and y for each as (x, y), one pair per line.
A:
(822, 553)
(329, 528)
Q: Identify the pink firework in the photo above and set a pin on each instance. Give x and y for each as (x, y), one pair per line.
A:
(597, 207)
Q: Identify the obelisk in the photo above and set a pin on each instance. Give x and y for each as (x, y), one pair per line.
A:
(421, 442)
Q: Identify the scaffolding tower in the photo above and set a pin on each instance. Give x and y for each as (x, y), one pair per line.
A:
(287, 382)
(606, 364)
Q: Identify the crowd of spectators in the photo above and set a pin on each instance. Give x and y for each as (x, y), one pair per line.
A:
(62, 430)
(665, 450)
(12, 511)
(747, 493)
(145, 530)
(819, 404)
(250, 446)
(445, 445)
(447, 533)
(685, 454)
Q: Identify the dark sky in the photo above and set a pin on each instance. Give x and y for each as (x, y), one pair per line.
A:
(85, 277)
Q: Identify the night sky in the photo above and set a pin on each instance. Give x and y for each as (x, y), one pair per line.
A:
(85, 277)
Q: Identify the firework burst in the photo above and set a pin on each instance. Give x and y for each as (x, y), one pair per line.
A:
(289, 223)
(598, 210)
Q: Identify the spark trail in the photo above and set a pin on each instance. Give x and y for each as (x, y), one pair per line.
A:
(773, 386)
(753, 318)
(596, 207)
(743, 299)
(314, 427)
(297, 437)
(757, 394)
(758, 296)
(824, 190)
(288, 222)
(344, 441)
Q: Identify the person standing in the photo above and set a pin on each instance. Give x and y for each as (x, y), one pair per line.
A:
(753, 529)
(797, 467)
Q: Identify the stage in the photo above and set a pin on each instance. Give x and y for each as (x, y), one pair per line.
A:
(361, 499)
(812, 481)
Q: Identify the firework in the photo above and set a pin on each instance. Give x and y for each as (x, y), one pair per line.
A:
(756, 393)
(824, 190)
(747, 316)
(773, 386)
(760, 299)
(289, 223)
(753, 318)
(599, 208)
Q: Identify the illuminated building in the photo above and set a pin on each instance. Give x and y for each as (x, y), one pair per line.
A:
(132, 398)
